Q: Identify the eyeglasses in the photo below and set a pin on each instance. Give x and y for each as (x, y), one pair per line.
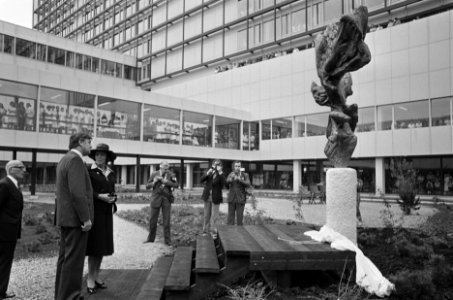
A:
(19, 167)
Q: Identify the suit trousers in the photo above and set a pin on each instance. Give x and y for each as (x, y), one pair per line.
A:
(166, 212)
(6, 262)
(235, 209)
(211, 216)
(71, 258)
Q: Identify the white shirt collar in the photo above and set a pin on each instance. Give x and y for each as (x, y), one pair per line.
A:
(14, 180)
(106, 172)
(77, 152)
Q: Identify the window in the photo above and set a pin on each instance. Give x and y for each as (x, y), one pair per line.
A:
(317, 124)
(227, 133)
(41, 52)
(108, 67)
(161, 125)
(242, 39)
(332, 9)
(366, 119)
(268, 31)
(385, 117)
(300, 126)
(412, 114)
(25, 48)
(282, 128)
(250, 136)
(56, 56)
(65, 112)
(17, 106)
(197, 129)
(298, 21)
(118, 119)
(70, 59)
(266, 130)
(440, 112)
(8, 44)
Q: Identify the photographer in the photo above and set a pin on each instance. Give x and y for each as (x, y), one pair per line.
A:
(238, 181)
(214, 180)
(162, 182)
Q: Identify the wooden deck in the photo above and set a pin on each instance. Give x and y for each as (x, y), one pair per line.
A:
(195, 273)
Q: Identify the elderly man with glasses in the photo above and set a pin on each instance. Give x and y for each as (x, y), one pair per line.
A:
(11, 206)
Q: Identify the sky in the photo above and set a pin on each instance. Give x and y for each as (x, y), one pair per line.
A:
(19, 12)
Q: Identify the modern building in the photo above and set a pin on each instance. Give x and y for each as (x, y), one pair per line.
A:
(192, 80)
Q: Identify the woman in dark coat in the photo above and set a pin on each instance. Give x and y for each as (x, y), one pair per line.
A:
(100, 238)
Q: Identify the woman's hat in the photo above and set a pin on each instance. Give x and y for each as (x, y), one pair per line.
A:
(111, 156)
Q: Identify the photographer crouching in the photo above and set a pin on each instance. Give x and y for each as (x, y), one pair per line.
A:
(162, 182)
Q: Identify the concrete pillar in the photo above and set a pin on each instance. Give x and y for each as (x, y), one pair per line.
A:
(380, 175)
(124, 175)
(297, 175)
(189, 176)
(341, 203)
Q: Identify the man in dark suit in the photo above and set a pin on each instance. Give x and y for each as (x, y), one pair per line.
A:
(162, 182)
(214, 180)
(74, 216)
(11, 205)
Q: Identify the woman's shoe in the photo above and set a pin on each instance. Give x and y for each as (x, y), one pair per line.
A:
(91, 290)
(100, 285)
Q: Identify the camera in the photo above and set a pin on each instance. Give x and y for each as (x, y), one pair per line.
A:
(242, 169)
(113, 195)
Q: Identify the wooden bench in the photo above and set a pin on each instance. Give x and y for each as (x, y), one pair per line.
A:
(154, 284)
(178, 278)
(206, 260)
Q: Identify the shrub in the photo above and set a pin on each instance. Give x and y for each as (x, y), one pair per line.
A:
(46, 239)
(415, 285)
(40, 229)
(29, 220)
(405, 175)
(251, 291)
(415, 248)
(33, 246)
(441, 271)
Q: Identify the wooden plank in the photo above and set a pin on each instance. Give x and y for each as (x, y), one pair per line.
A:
(206, 260)
(268, 240)
(153, 287)
(178, 278)
(302, 264)
(236, 240)
(207, 284)
(121, 284)
(297, 245)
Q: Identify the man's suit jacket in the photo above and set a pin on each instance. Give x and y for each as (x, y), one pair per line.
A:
(213, 186)
(74, 202)
(11, 206)
(161, 191)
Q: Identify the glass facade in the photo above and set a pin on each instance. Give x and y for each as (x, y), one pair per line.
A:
(250, 136)
(197, 129)
(65, 112)
(412, 114)
(282, 128)
(317, 124)
(366, 119)
(385, 117)
(161, 125)
(441, 112)
(118, 119)
(227, 133)
(18, 106)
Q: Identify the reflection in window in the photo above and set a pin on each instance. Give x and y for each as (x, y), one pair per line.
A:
(317, 124)
(25, 48)
(161, 125)
(56, 56)
(266, 132)
(299, 126)
(65, 112)
(298, 21)
(41, 52)
(118, 119)
(197, 129)
(250, 136)
(17, 106)
(366, 119)
(108, 67)
(412, 114)
(384, 117)
(282, 128)
(70, 59)
(227, 133)
(440, 112)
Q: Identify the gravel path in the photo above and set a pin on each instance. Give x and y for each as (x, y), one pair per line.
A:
(33, 278)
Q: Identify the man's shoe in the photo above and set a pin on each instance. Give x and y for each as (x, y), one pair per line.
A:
(7, 295)
(147, 241)
(100, 285)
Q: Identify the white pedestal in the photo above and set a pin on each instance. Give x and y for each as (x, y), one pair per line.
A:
(341, 201)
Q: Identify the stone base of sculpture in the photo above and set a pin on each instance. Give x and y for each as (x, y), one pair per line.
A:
(341, 201)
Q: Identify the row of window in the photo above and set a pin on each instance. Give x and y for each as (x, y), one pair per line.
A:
(29, 49)
(416, 114)
(67, 112)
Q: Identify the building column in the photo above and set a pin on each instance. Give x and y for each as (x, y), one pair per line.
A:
(124, 175)
(189, 176)
(297, 175)
(379, 174)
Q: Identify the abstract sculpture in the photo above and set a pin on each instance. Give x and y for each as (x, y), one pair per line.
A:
(340, 49)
